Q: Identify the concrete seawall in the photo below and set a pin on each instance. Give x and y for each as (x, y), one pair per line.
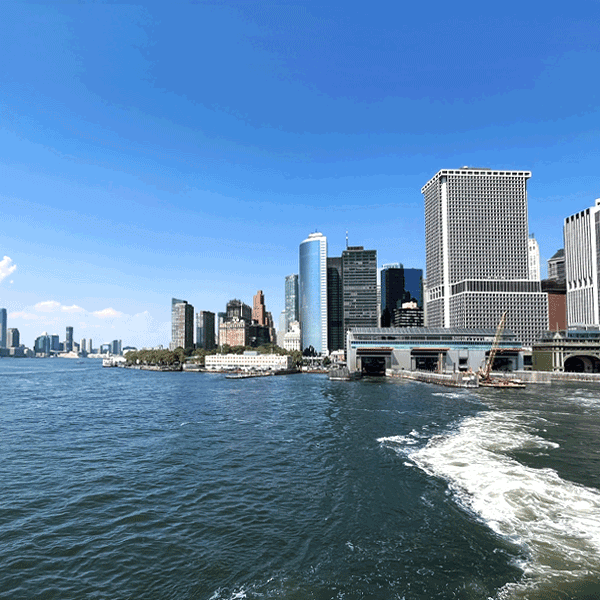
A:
(471, 380)
(448, 379)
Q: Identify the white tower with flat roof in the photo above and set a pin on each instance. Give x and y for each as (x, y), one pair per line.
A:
(476, 242)
(581, 233)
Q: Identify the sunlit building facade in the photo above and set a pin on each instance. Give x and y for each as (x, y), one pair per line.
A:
(291, 300)
(182, 324)
(582, 248)
(312, 289)
(476, 243)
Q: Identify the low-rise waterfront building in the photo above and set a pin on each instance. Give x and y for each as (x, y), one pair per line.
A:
(569, 350)
(248, 361)
(373, 350)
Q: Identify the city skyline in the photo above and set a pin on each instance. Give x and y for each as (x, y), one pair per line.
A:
(126, 182)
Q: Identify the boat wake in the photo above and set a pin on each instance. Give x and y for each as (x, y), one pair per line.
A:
(555, 522)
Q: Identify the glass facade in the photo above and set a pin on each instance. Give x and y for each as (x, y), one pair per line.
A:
(2, 328)
(312, 287)
(399, 285)
(291, 300)
(335, 304)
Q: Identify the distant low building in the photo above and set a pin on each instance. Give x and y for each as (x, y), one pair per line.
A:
(248, 360)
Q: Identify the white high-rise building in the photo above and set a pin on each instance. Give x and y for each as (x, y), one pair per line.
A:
(533, 255)
(582, 245)
(312, 289)
(476, 238)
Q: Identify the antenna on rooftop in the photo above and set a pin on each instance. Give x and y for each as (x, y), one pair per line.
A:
(346, 239)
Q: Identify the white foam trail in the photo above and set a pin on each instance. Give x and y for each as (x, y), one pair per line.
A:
(399, 441)
(556, 522)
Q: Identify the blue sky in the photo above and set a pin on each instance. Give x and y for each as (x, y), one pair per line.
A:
(186, 149)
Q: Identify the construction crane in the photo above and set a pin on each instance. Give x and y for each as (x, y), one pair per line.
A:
(487, 369)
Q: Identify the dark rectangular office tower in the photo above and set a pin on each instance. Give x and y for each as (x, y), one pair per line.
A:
(399, 285)
(335, 305)
(205, 330)
(359, 276)
(3, 328)
(69, 340)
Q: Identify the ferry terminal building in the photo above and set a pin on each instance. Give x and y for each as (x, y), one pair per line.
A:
(373, 350)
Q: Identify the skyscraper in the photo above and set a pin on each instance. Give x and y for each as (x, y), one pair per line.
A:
(398, 286)
(335, 304)
(533, 256)
(312, 288)
(291, 300)
(69, 340)
(359, 277)
(236, 309)
(205, 330)
(582, 245)
(42, 344)
(258, 308)
(13, 339)
(556, 266)
(3, 321)
(476, 243)
(182, 324)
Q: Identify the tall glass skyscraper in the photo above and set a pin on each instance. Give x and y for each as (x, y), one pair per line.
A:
(3, 328)
(69, 339)
(291, 300)
(312, 288)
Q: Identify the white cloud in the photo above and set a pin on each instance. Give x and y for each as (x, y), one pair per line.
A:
(6, 267)
(72, 309)
(47, 306)
(108, 313)
(22, 315)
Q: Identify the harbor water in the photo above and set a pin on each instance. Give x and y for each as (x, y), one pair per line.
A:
(119, 483)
